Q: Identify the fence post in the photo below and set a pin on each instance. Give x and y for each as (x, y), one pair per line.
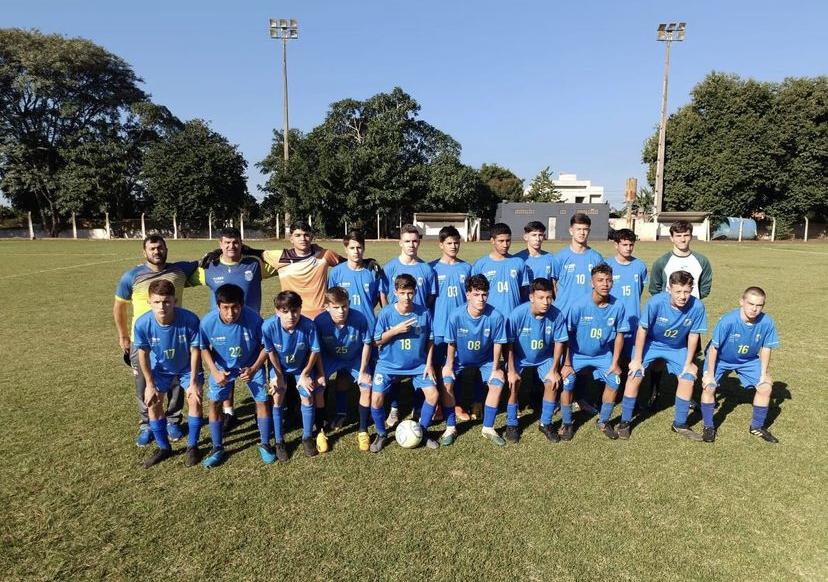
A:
(741, 224)
(346, 228)
(31, 228)
(241, 224)
(278, 232)
(378, 226)
(108, 228)
(210, 225)
(806, 229)
(310, 221)
(773, 229)
(143, 226)
(175, 226)
(74, 227)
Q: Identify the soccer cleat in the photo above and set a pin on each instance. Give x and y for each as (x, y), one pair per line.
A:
(192, 457)
(623, 430)
(281, 452)
(605, 428)
(477, 410)
(686, 432)
(363, 441)
(322, 442)
(492, 435)
(430, 443)
(338, 421)
(585, 406)
(461, 414)
(693, 406)
(214, 459)
(174, 432)
(393, 418)
(229, 422)
(379, 443)
(549, 433)
(157, 457)
(448, 438)
(310, 447)
(763, 434)
(709, 434)
(267, 454)
(512, 434)
(144, 437)
(565, 432)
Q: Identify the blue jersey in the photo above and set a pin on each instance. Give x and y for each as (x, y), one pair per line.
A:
(628, 282)
(293, 348)
(507, 278)
(343, 344)
(451, 293)
(574, 274)
(168, 345)
(363, 287)
(247, 274)
(422, 273)
(542, 266)
(405, 353)
(232, 345)
(592, 329)
(669, 326)
(739, 342)
(532, 337)
(474, 337)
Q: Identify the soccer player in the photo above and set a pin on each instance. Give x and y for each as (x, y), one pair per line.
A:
(404, 335)
(596, 324)
(133, 287)
(345, 338)
(669, 330)
(167, 341)
(362, 279)
(292, 344)
(475, 334)
(539, 263)
(629, 276)
(507, 274)
(681, 258)
(537, 332)
(742, 342)
(231, 346)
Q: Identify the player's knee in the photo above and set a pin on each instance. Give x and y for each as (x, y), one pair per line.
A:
(764, 388)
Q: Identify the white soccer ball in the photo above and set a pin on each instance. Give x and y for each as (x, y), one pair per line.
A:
(408, 434)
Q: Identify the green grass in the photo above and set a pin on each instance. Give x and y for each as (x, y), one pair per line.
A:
(77, 505)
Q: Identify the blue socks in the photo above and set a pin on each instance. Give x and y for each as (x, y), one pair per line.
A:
(682, 408)
(264, 424)
(193, 428)
(627, 408)
(364, 417)
(489, 414)
(566, 413)
(547, 412)
(707, 413)
(159, 431)
(307, 421)
(216, 434)
(511, 414)
(760, 413)
(378, 414)
(450, 416)
(278, 429)
(606, 411)
(341, 402)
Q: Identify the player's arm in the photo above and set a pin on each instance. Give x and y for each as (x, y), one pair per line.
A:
(497, 353)
(706, 277)
(320, 370)
(448, 368)
(692, 345)
(247, 373)
(218, 375)
(150, 392)
(119, 314)
(305, 377)
(640, 338)
(277, 382)
(657, 279)
(710, 359)
(429, 367)
(512, 375)
(557, 353)
(764, 364)
(617, 348)
(365, 361)
(194, 389)
(389, 334)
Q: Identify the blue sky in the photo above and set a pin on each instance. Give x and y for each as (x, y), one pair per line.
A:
(575, 86)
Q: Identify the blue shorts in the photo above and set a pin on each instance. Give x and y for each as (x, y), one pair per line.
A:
(485, 374)
(673, 357)
(350, 368)
(749, 373)
(256, 385)
(600, 370)
(383, 380)
(542, 370)
(164, 382)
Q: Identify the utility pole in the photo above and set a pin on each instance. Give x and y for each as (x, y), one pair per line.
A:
(284, 29)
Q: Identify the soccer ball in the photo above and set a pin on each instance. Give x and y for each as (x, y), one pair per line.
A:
(408, 434)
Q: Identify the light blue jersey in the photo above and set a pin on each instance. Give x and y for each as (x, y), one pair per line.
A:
(363, 287)
(573, 272)
(541, 266)
(474, 337)
(293, 348)
(739, 342)
(233, 345)
(342, 346)
(668, 326)
(592, 329)
(246, 274)
(628, 282)
(168, 345)
(533, 338)
(406, 353)
(507, 277)
(451, 293)
(422, 273)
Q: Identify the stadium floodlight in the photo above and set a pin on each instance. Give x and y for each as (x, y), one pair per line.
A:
(666, 33)
(284, 30)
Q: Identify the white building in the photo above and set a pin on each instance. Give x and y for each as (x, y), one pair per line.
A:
(575, 191)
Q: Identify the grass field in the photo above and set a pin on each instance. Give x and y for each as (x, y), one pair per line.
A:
(76, 504)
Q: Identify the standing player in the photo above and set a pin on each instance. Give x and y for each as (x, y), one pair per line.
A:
(742, 342)
(629, 276)
(167, 341)
(681, 258)
(669, 330)
(404, 335)
(507, 274)
(539, 263)
(361, 278)
(475, 335)
(231, 346)
(538, 336)
(133, 287)
(345, 342)
(596, 337)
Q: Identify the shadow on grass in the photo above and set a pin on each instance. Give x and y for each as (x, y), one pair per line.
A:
(731, 394)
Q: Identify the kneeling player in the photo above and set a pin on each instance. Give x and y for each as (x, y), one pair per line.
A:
(475, 335)
(537, 331)
(404, 335)
(346, 353)
(167, 342)
(742, 342)
(596, 324)
(291, 343)
(669, 330)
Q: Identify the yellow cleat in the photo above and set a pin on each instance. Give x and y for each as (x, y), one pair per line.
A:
(364, 441)
(322, 442)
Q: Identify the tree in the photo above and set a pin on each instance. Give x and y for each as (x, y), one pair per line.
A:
(193, 172)
(542, 188)
(503, 184)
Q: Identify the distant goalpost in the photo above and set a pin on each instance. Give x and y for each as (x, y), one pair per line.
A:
(430, 224)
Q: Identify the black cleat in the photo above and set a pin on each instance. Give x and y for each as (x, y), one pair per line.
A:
(549, 433)
(157, 457)
(605, 428)
(709, 434)
(623, 430)
(764, 434)
(228, 423)
(379, 443)
(338, 422)
(565, 432)
(192, 457)
(310, 447)
(686, 432)
(512, 434)
(281, 452)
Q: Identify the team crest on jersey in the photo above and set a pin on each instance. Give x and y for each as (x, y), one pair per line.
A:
(548, 329)
(513, 273)
(487, 332)
(366, 286)
(688, 322)
(248, 276)
(610, 321)
(462, 278)
(419, 281)
(635, 277)
(758, 336)
(246, 336)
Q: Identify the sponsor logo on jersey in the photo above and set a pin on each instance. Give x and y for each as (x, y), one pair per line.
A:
(662, 320)
(569, 267)
(490, 274)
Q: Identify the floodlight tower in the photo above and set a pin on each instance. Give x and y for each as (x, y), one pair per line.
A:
(667, 33)
(284, 29)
